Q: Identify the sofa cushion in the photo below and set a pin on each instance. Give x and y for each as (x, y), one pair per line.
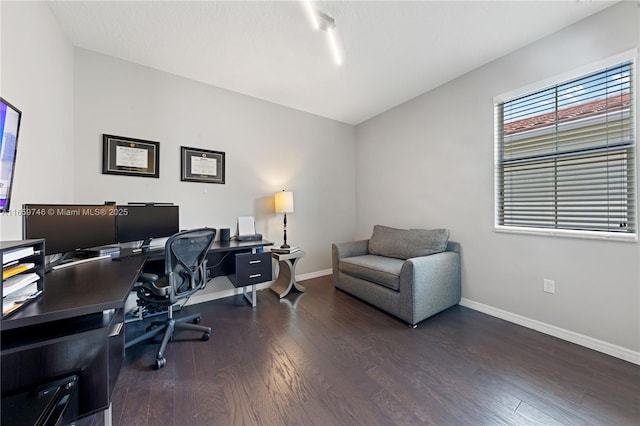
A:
(407, 243)
(384, 271)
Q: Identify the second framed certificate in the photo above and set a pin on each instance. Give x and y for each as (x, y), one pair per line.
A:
(201, 165)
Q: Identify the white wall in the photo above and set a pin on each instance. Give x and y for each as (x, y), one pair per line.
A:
(268, 148)
(429, 163)
(37, 77)
(426, 163)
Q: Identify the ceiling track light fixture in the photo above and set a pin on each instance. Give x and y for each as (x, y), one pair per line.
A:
(322, 21)
(325, 22)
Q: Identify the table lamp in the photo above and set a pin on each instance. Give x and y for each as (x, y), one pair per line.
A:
(284, 204)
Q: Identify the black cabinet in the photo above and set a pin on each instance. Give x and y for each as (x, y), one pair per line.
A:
(74, 329)
(251, 268)
(35, 355)
(116, 346)
(53, 404)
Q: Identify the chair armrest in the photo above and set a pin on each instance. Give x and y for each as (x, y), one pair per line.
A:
(148, 278)
(149, 288)
(350, 249)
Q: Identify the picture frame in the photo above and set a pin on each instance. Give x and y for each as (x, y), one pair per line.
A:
(202, 165)
(130, 157)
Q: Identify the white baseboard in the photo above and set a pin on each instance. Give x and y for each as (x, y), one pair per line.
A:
(561, 333)
(218, 289)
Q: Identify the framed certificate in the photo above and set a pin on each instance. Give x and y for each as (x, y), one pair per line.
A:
(131, 157)
(201, 165)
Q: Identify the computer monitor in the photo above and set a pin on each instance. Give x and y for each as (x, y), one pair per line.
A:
(69, 227)
(143, 222)
(9, 127)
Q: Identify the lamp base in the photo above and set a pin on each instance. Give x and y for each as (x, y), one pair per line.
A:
(285, 246)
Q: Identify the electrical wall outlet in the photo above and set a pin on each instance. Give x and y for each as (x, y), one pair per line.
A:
(549, 286)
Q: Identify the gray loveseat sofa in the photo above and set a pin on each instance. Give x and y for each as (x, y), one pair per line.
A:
(411, 274)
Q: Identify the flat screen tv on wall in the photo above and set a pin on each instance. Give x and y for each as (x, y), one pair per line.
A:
(9, 127)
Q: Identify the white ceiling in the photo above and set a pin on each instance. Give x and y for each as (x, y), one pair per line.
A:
(393, 51)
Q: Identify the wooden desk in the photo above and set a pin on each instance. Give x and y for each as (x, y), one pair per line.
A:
(241, 261)
(219, 247)
(75, 327)
(80, 290)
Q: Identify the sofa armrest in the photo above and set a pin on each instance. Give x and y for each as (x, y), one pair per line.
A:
(453, 246)
(429, 284)
(343, 250)
(350, 249)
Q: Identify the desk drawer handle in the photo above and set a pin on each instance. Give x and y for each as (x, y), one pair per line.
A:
(116, 329)
(253, 262)
(255, 275)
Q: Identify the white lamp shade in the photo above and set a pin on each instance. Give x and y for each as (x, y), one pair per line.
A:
(284, 202)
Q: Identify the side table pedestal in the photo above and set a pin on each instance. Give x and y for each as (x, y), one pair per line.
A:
(287, 273)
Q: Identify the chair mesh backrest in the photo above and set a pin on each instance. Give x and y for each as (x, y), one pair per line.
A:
(185, 260)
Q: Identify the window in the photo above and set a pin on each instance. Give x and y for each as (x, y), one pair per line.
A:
(565, 157)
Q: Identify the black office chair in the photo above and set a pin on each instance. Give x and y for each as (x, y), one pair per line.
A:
(185, 273)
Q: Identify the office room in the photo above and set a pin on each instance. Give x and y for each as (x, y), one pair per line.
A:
(402, 133)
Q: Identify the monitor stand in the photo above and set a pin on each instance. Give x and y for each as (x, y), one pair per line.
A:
(145, 246)
(100, 251)
(71, 258)
(66, 258)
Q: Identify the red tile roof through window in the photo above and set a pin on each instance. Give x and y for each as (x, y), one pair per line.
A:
(587, 109)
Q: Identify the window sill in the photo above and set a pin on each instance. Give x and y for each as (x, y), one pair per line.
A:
(567, 233)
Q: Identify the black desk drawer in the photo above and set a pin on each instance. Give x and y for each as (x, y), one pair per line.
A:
(251, 268)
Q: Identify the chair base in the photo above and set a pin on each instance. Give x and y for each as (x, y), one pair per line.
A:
(169, 327)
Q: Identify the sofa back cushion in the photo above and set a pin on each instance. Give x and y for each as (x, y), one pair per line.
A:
(407, 243)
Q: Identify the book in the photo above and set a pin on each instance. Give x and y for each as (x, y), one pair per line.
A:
(12, 263)
(18, 299)
(15, 254)
(289, 250)
(18, 282)
(22, 294)
(9, 272)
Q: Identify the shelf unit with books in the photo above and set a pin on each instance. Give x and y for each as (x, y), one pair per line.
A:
(23, 268)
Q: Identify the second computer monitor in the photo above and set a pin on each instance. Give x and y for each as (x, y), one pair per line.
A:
(69, 227)
(144, 222)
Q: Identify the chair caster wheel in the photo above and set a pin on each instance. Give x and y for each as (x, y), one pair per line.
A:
(160, 362)
(196, 320)
(206, 336)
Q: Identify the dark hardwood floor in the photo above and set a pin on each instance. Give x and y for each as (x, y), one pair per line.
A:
(325, 358)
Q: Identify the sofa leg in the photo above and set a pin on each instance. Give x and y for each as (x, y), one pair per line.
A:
(413, 325)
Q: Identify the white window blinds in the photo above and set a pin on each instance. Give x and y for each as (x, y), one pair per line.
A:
(565, 155)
